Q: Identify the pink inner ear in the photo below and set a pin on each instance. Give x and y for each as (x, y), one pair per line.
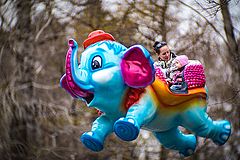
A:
(136, 69)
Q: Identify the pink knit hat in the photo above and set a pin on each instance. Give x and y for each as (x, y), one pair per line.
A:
(183, 59)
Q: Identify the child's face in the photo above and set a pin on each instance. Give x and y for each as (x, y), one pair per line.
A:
(177, 64)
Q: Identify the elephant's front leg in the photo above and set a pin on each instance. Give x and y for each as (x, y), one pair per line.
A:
(127, 128)
(101, 128)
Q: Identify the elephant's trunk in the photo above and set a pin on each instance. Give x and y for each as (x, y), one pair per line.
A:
(73, 74)
(72, 61)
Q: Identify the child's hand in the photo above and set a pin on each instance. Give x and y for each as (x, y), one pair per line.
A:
(172, 68)
(168, 80)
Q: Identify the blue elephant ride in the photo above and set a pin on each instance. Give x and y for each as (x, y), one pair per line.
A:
(123, 84)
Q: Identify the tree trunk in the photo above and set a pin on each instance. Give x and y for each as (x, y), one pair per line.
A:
(234, 53)
(23, 128)
(163, 23)
(232, 43)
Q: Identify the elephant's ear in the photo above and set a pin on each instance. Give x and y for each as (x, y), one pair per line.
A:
(137, 67)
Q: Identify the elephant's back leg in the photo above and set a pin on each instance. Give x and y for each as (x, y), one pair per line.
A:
(198, 121)
(175, 139)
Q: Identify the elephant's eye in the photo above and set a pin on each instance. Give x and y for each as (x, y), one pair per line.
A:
(96, 62)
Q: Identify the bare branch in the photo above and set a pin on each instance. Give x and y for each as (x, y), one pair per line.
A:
(43, 27)
(215, 5)
(214, 28)
(46, 87)
(36, 85)
(1, 53)
(227, 100)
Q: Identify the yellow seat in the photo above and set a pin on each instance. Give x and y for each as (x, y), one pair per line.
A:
(165, 98)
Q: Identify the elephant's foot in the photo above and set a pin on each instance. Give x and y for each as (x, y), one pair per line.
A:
(189, 145)
(223, 131)
(91, 141)
(126, 128)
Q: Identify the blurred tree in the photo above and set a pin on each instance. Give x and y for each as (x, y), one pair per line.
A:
(155, 20)
(26, 53)
(212, 8)
(20, 131)
(233, 47)
(94, 16)
(38, 120)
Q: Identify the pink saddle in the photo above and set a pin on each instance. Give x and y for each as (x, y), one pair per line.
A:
(193, 74)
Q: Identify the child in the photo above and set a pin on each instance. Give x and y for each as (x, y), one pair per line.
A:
(176, 79)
